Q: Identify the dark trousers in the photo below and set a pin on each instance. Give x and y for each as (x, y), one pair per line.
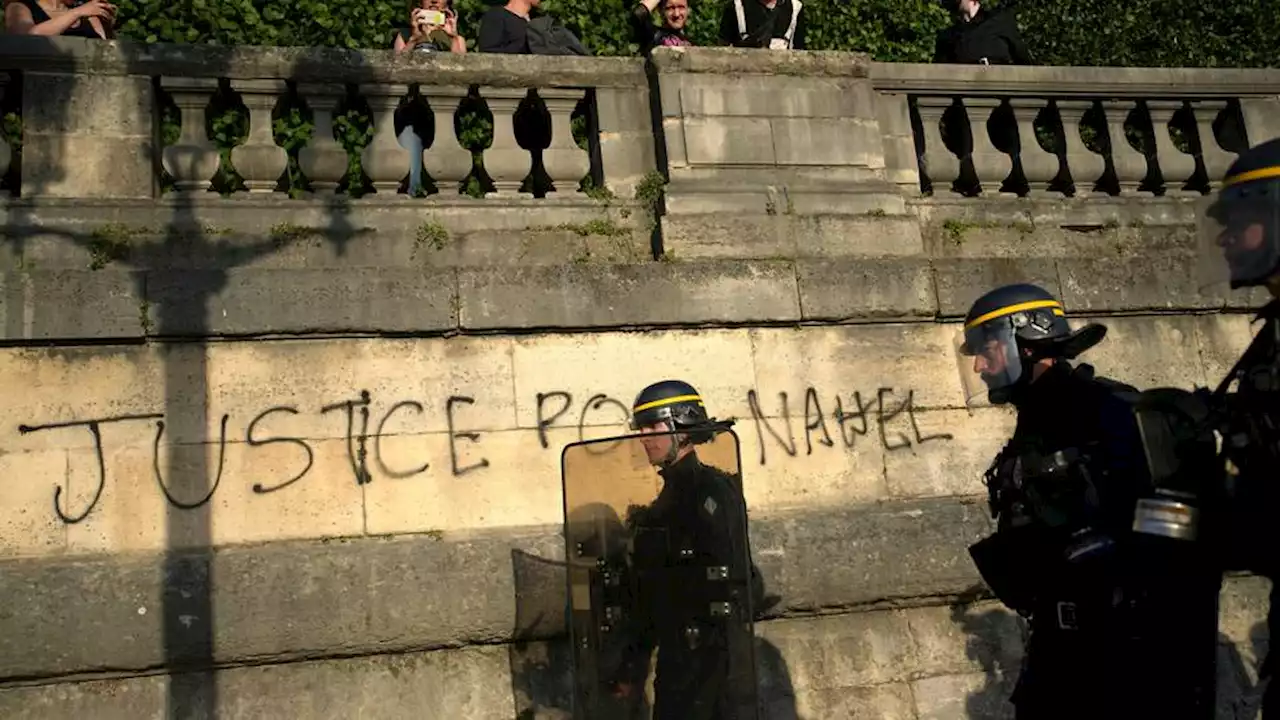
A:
(712, 680)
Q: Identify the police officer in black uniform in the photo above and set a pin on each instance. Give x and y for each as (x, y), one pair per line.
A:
(1113, 635)
(692, 567)
(1241, 246)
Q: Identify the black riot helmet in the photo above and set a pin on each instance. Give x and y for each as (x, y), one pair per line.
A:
(1240, 227)
(672, 405)
(1007, 331)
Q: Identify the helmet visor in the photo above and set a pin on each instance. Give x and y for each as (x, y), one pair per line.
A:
(1238, 243)
(988, 360)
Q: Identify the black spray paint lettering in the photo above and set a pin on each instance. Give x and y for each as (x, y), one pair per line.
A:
(377, 442)
(356, 456)
(816, 420)
(565, 402)
(164, 488)
(254, 442)
(453, 435)
(95, 429)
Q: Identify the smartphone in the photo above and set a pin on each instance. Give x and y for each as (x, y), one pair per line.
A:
(430, 17)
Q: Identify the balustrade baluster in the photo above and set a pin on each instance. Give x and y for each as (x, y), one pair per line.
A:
(1039, 166)
(507, 163)
(260, 161)
(991, 165)
(385, 161)
(323, 160)
(566, 163)
(1086, 166)
(940, 164)
(1176, 167)
(6, 153)
(1216, 160)
(193, 160)
(446, 161)
(1130, 165)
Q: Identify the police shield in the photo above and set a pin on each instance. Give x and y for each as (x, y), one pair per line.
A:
(660, 581)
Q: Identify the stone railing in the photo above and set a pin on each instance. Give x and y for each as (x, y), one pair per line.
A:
(739, 132)
(94, 114)
(1059, 131)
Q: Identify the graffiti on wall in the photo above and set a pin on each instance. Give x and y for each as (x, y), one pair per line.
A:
(884, 416)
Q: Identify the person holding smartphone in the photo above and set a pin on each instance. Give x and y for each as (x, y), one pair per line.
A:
(433, 27)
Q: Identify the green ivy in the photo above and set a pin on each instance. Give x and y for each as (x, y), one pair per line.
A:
(1081, 32)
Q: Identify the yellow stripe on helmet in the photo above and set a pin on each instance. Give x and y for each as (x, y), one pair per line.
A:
(667, 401)
(1259, 174)
(1017, 307)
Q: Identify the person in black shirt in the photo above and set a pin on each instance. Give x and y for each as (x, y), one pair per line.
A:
(980, 36)
(675, 13)
(94, 19)
(773, 24)
(505, 28)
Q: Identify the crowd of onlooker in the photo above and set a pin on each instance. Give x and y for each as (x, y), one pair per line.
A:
(977, 35)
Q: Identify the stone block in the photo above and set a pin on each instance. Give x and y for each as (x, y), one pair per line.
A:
(729, 141)
(65, 105)
(767, 96)
(950, 452)
(853, 649)
(621, 295)
(590, 379)
(1149, 351)
(826, 142)
(976, 696)
(466, 683)
(872, 288)
(880, 362)
(71, 304)
(121, 168)
(1222, 339)
(901, 550)
(1147, 282)
(748, 234)
(887, 702)
(262, 301)
(623, 110)
(960, 281)
(964, 639)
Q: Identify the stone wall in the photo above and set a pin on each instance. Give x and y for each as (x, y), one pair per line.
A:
(299, 457)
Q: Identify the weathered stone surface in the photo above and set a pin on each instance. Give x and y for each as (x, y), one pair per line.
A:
(619, 295)
(72, 305)
(1160, 281)
(872, 288)
(789, 236)
(249, 302)
(64, 615)
(318, 64)
(960, 281)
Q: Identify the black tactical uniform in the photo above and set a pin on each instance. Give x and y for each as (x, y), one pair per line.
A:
(692, 569)
(1241, 246)
(1116, 632)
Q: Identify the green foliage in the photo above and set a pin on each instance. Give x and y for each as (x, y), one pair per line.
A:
(1081, 32)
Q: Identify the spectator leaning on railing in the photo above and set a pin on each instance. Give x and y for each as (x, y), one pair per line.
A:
(93, 19)
(773, 24)
(981, 36)
(675, 13)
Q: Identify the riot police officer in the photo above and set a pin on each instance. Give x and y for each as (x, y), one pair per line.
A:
(1241, 246)
(1113, 634)
(692, 566)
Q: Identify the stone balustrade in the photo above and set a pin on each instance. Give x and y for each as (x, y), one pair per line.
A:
(813, 133)
(1080, 132)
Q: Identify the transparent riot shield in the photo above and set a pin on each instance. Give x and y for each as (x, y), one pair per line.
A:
(660, 592)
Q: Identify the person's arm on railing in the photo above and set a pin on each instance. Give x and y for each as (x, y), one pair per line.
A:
(18, 19)
(802, 24)
(642, 24)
